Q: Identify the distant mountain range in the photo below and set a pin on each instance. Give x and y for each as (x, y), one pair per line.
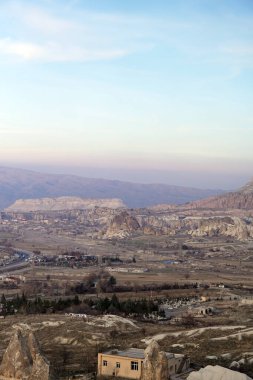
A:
(25, 184)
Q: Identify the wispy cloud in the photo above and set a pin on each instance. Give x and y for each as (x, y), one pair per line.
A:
(41, 20)
(51, 33)
(55, 52)
(40, 35)
(25, 50)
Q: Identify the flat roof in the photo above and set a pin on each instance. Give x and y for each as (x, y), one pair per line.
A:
(137, 353)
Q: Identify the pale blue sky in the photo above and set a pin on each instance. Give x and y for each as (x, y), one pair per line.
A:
(132, 89)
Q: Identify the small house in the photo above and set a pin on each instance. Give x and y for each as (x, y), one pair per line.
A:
(129, 363)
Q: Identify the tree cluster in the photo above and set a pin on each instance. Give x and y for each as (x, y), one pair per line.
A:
(102, 282)
(38, 305)
(132, 307)
(107, 284)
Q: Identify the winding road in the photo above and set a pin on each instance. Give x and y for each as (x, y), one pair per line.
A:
(21, 262)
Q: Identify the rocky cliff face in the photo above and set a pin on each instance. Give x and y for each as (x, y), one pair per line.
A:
(155, 364)
(23, 358)
(62, 203)
(223, 226)
(122, 225)
(230, 226)
(109, 223)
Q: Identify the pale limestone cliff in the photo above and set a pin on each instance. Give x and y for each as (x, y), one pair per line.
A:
(62, 203)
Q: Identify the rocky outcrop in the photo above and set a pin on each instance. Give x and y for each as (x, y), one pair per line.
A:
(155, 364)
(62, 203)
(229, 226)
(206, 226)
(109, 223)
(122, 225)
(217, 373)
(23, 358)
(223, 226)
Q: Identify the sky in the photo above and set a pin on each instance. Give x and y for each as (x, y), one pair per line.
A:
(137, 90)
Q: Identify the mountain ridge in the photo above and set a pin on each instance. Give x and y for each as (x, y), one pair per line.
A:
(240, 199)
(26, 184)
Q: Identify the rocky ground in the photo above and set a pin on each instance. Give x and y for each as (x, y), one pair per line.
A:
(71, 344)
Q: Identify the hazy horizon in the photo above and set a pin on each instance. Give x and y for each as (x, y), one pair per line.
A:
(140, 91)
(199, 180)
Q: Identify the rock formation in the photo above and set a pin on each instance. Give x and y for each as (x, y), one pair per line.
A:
(63, 203)
(217, 373)
(222, 226)
(122, 225)
(155, 364)
(23, 358)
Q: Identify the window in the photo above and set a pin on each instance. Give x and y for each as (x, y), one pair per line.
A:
(117, 365)
(105, 363)
(134, 366)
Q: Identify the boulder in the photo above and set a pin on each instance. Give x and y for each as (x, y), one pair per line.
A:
(217, 373)
(235, 364)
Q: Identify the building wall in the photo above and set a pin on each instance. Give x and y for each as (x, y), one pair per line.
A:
(174, 365)
(125, 366)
